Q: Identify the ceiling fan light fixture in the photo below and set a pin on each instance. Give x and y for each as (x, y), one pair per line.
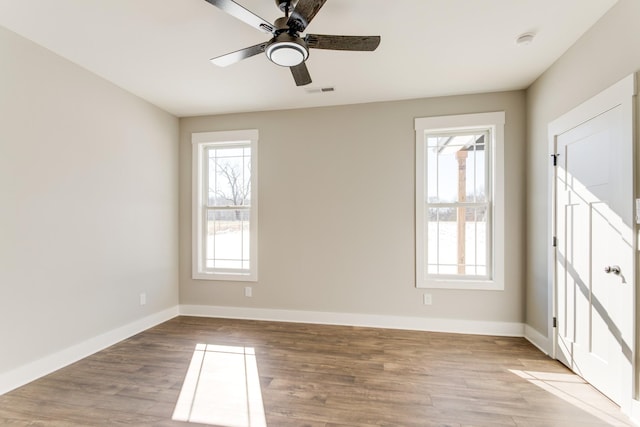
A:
(287, 53)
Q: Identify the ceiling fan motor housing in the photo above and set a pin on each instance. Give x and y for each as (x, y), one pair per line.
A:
(283, 5)
(287, 50)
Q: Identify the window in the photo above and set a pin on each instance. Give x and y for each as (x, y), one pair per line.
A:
(460, 201)
(225, 226)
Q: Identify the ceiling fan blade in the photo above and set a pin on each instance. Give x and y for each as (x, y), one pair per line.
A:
(360, 43)
(239, 55)
(245, 15)
(303, 13)
(301, 74)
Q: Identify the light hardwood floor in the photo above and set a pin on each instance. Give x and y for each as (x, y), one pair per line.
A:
(312, 375)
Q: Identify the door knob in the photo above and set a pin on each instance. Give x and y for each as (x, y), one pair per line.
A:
(615, 269)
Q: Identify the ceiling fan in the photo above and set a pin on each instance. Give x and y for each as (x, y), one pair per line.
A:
(287, 48)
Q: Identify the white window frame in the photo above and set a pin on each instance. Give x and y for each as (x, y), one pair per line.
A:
(494, 122)
(200, 142)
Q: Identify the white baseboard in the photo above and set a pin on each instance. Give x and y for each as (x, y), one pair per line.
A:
(537, 339)
(48, 364)
(474, 327)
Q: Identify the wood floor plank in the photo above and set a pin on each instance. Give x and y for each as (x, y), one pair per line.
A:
(315, 376)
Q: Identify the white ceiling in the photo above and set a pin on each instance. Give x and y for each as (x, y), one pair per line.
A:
(159, 49)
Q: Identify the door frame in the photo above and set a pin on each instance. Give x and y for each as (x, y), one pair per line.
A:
(621, 94)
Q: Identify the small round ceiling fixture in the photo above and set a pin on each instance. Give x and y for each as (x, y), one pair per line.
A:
(287, 51)
(525, 39)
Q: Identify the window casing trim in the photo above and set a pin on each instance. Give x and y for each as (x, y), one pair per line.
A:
(200, 142)
(461, 123)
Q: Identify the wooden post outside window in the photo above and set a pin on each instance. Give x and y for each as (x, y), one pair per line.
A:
(461, 156)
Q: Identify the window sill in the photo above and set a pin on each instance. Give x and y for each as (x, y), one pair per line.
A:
(477, 285)
(225, 277)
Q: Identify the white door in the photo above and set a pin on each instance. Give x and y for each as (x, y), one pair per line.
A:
(594, 256)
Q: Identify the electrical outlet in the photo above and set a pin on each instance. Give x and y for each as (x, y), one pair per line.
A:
(143, 298)
(426, 299)
(248, 291)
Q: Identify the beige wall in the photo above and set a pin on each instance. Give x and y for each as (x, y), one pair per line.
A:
(604, 55)
(88, 215)
(337, 211)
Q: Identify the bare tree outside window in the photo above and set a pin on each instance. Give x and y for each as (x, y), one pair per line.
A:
(237, 191)
(230, 180)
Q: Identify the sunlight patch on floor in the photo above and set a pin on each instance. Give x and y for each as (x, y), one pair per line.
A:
(222, 387)
(576, 391)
